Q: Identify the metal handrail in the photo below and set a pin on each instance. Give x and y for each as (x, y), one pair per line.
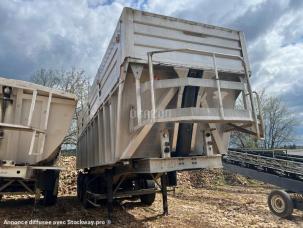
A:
(193, 51)
(211, 54)
(260, 111)
(17, 127)
(199, 82)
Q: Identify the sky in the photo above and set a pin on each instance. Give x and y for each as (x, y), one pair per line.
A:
(61, 34)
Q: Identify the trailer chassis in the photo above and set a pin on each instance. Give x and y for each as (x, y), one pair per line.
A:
(149, 171)
(32, 180)
(113, 193)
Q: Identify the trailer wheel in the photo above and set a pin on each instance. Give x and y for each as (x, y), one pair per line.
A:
(50, 186)
(80, 186)
(148, 199)
(50, 196)
(280, 203)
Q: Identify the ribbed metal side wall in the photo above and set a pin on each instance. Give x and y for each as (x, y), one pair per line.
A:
(103, 140)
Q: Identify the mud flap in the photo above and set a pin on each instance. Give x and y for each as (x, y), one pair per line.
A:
(172, 179)
(47, 179)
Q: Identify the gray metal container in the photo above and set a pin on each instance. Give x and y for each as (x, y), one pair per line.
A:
(136, 97)
(34, 120)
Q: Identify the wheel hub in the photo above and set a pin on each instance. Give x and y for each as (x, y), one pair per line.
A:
(278, 203)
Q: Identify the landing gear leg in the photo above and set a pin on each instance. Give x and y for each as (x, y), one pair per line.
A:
(109, 193)
(164, 193)
(37, 198)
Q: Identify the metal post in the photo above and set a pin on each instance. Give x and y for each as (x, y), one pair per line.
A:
(112, 133)
(252, 101)
(109, 192)
(119, 107)
(105, 133)
(138, 96)
(31, 147)
(48, 110)
(152, 89)
(137, 70)
(218, 87)
(37, 198)
(164, 193)
(260, 113)
(244, 100)
(46, 123)
(32, 108)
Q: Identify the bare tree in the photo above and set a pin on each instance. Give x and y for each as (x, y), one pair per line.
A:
(47, 78)
(279, 123)
(73, 81)
(242, 140)
(279, 126)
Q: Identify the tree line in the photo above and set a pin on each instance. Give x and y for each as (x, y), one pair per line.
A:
(279, 126)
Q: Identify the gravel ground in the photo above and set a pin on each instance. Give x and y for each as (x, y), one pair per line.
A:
(210, 205)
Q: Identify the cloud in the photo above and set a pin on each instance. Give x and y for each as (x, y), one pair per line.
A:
(53, 34)
(61, 34)
(208, 11)
(260, 18)
(281, 71)
(75, 33)
(276, 56)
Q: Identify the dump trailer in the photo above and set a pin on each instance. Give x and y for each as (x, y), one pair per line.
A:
(163, 100)
(34, 120)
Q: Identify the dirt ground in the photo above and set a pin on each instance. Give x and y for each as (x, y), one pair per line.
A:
(211, 205)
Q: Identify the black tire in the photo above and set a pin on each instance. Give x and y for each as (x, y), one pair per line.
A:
(50, 193)
(148, 199)
(49, 198)
(280, 203)
(86, 204)
(80, 186)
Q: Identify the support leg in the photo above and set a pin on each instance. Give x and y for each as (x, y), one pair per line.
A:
(37, 198)
(164, 193)
(109, 193)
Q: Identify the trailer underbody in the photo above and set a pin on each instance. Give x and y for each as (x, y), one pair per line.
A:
(32, 180)
(133, 179)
